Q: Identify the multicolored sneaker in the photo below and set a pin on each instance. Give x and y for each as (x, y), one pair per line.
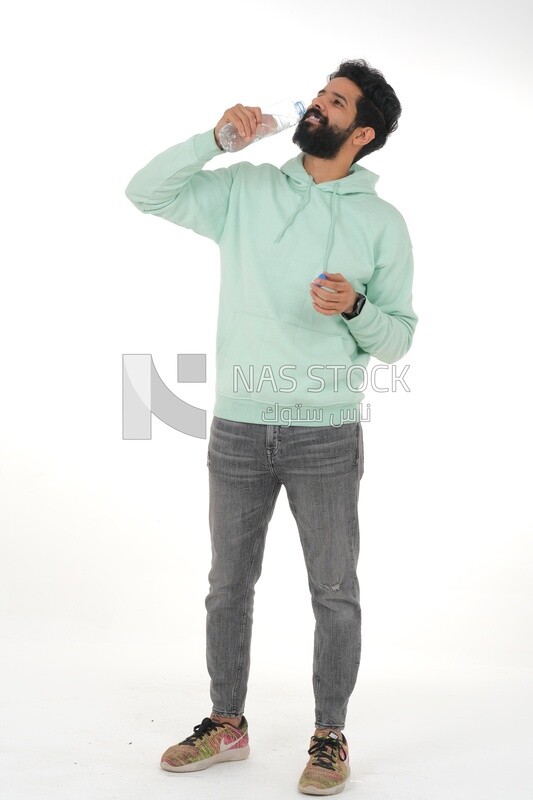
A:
(210, 743)
(328, 768)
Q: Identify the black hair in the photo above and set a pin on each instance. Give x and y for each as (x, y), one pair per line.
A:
(378, 108)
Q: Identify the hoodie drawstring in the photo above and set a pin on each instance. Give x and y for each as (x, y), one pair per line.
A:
(301, 204)
(331, 226)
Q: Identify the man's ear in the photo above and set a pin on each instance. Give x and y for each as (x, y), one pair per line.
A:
(362, 136)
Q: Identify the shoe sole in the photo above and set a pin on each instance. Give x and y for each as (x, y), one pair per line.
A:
(331, 790)
(239, 754)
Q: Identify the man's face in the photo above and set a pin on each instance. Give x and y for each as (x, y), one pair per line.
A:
(330, 119)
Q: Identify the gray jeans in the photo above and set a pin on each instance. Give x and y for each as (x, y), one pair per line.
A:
(320, 468)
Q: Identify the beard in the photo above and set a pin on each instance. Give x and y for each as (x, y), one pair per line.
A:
(322, 140)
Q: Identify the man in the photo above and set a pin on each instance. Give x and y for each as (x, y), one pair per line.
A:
(291, 353)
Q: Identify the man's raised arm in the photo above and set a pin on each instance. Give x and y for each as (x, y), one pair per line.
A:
(173, 185)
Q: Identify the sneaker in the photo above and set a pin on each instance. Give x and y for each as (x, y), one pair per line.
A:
(328, 768)
(210, 743)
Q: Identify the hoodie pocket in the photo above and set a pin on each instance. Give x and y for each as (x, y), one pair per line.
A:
(267, 360)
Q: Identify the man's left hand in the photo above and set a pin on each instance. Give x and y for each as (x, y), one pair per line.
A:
(343, 298)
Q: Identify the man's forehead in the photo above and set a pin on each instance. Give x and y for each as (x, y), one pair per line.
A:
(346, 87)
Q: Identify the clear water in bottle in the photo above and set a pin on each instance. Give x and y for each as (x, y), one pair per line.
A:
(276, 118)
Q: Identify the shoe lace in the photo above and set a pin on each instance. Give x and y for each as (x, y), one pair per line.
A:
(326, 751)
(206, 726)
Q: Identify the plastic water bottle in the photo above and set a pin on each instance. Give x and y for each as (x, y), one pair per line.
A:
(276, 118)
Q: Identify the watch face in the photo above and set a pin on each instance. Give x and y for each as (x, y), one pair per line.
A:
(360, 303)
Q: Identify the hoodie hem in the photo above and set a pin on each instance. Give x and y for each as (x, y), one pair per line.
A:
(263, 413)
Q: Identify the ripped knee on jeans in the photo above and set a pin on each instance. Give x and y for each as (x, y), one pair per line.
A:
(335, 588)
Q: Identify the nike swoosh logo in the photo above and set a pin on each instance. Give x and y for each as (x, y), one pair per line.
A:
(227, 745)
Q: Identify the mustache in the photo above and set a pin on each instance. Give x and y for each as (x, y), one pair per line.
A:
(316, 113)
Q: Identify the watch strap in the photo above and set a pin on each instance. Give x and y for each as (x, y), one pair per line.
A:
(357, 308)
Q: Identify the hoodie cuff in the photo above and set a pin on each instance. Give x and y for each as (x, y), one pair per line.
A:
(365, 319)
(205, 145)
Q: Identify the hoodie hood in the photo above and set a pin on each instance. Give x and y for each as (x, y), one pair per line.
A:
(358, 181)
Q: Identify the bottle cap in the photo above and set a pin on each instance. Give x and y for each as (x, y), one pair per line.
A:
(300, 107)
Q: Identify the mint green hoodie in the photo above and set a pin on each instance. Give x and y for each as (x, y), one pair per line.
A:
(278, 360)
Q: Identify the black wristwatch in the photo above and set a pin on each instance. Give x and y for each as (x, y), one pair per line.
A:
(356, 310)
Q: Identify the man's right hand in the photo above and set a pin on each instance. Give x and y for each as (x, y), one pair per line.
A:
(244, 118)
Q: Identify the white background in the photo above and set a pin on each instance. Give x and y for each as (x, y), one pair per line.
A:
(105, 542)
